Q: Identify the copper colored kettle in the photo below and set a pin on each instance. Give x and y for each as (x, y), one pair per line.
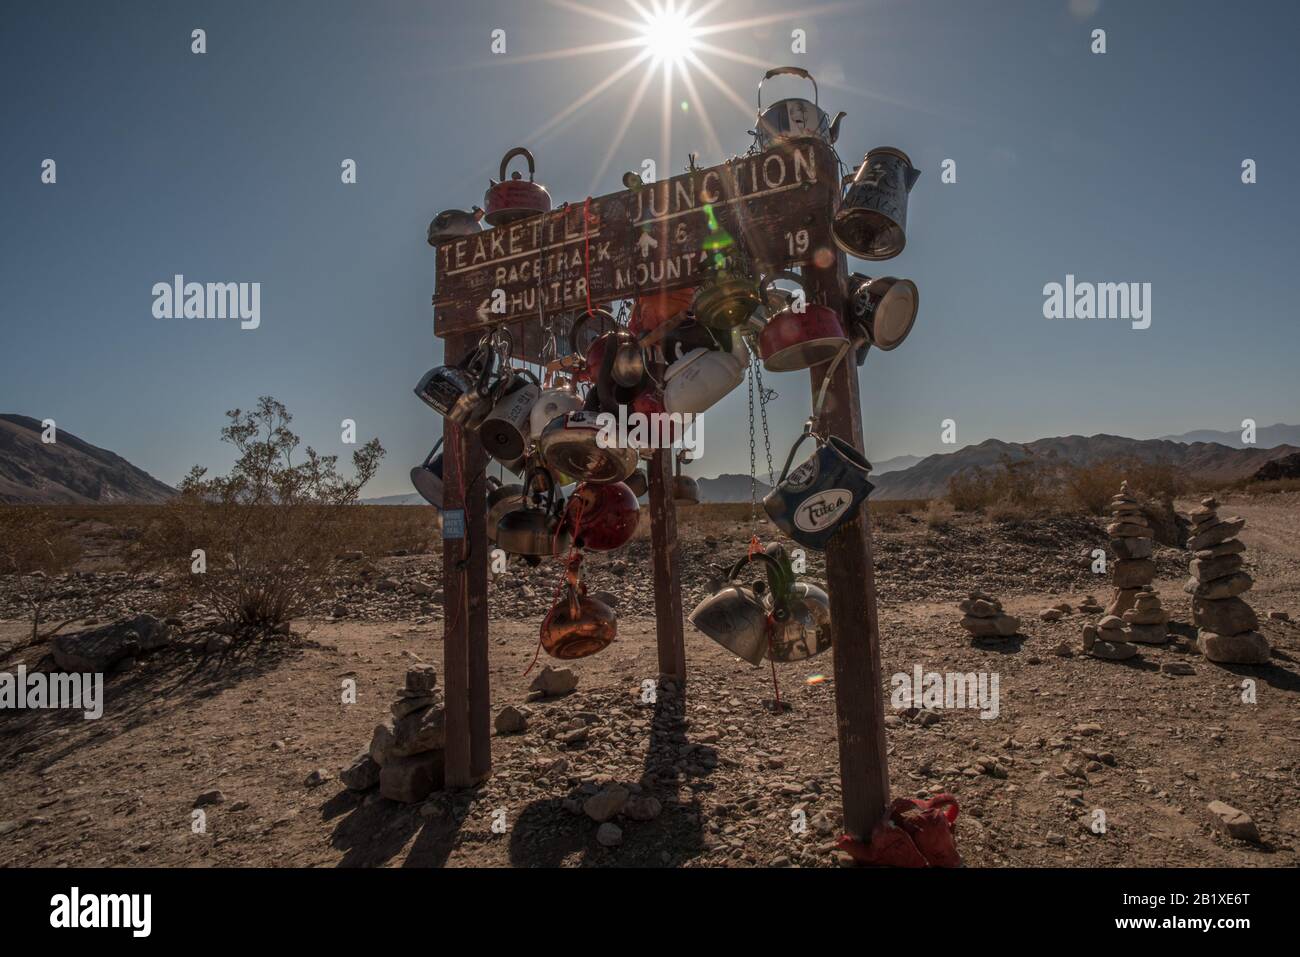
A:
(577, 624)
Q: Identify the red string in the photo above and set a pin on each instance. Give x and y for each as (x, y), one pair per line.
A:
(586, 250)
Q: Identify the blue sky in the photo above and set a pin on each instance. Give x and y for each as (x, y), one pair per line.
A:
(1122, 167)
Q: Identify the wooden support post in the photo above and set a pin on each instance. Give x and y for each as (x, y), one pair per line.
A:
(465, 611)
(667, 569)
(851, 583)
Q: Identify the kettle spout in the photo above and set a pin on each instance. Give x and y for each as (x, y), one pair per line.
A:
(912, 176)
(835, 125)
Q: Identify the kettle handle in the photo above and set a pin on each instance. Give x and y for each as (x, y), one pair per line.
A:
(776, 71)
(777, 580)
(789, 459)
(771, 277)
(518, 151)
(428, 459)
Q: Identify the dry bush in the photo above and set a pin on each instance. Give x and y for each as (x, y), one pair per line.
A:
(268, 532)
(971, 491)
(939, 514)
(1090, 487)
(1157, 480)
(1027, 484)
(35, 546)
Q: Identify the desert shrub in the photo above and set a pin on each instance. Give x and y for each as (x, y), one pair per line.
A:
(35, 546)
(1090, 487)
(1025, 483)
(971, 491)
(1158, 480)
(939, 514)
(267, 532)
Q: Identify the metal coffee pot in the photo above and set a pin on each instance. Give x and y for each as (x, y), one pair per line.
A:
(872, 219)
(507, 429)
(453, 224)
(702, 377)
(577, 625)
(571, 445)
(794, 340)
(794, 118)
(533, 525)
(823, 493)
(427, 477)
(554, 400)
(727, 299)
(736, 616)
(462, 393)
(800, 614)
(686, 491)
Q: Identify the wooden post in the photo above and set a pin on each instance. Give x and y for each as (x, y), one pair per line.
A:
(851, 583)
(667, 568)
(465, 624)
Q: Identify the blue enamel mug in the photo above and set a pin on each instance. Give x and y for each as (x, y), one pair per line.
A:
(823, 493)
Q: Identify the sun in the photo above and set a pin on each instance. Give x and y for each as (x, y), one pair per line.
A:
(667, 35)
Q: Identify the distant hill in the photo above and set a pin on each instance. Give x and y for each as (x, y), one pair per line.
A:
(411, 498)
(1206, 460)
(729, 487)
(895, 464)
(1270, 436)
(69, 471)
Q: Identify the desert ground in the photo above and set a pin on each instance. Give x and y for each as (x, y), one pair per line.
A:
(264, 724)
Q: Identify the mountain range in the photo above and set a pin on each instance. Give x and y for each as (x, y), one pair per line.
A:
(67, 471)
(72, 471)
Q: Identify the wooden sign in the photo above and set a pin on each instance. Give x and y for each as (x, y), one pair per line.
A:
(769, 209)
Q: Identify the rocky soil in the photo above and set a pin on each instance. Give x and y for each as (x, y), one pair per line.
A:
(623, 771)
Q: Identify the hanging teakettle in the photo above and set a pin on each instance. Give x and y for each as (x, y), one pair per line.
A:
(882, 310)
(507, 429)
(500, 500)
(427, 477)
(577, 625)
(823, 493)
(453, 224)
(462, 393)
(638, 482)
(534, 527)
(654, 309)
(800, 613)
(872, 219)
(701, 377)
(554, 400)
(794, 118)
(735, 616)
(602, 517)
(727, 299)
(572, 445)
(801, 335)
(510, 199)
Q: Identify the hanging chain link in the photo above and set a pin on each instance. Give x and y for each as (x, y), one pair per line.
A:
(765, 396)
(753, 479)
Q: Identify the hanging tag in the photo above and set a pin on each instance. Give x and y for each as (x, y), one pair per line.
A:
(453, 524)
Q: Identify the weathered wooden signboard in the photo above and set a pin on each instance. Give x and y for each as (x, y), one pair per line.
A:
(769, 208)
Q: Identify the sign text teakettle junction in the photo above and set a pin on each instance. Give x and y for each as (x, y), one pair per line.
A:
(768, 208)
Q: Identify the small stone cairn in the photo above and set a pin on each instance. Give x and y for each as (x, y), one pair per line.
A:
(1147, 623)
(983, 617)
(1132, 541)
(405, 757)
(1108, 639)
(1225, 621)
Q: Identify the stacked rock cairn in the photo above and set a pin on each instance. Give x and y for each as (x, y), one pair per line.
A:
(983, 617)
(1225, 621)
(1132, 541)
(405, 757)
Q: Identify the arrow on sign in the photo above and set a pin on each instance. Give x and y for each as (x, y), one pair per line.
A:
(647, 243)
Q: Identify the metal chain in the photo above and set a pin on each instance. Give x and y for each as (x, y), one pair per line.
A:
(764, 397)
(753, 479)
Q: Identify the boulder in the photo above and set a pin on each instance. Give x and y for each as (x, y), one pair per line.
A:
(642, 807)
(96, 650)
(511, 720)
(151, 632)
(1236, 824)
(1147, 634)
(554, 681)
(1216, 535)
(362, 774)
(381, 743)
(1248, 648)
(1002, 625)
(1227, 587)
(420, 731)
(609, 835)
(409, 704)
(1133, 574)
(606, 802)
(1206, 570)
(1226, 616)
(422, 680)
(980, 608)
(1127, 548)
(412, 779)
